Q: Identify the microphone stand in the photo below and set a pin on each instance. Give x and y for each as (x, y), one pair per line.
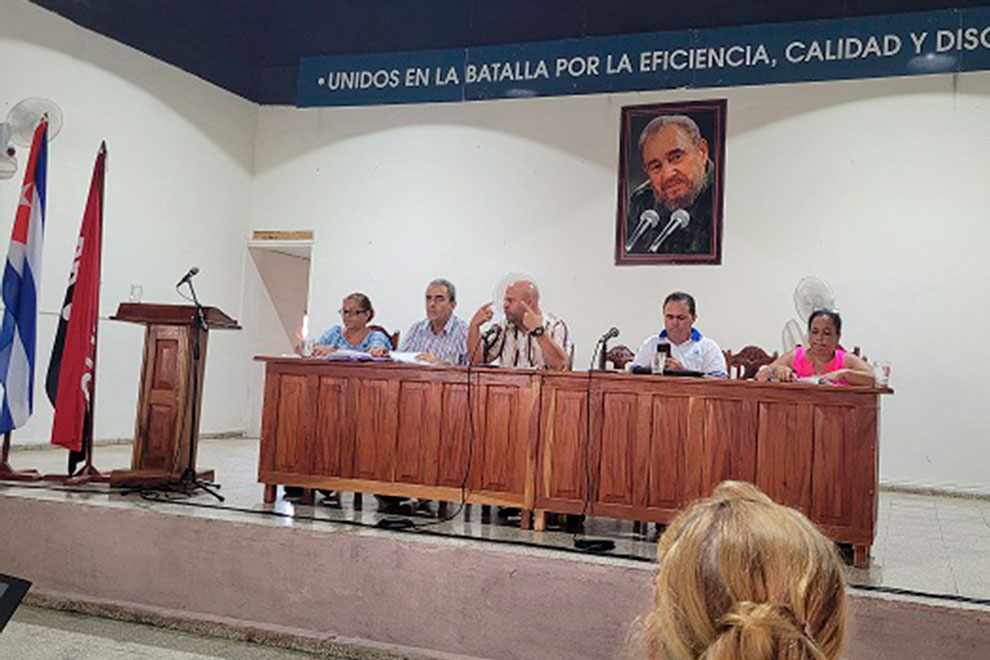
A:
(189, 480)
(602, 353)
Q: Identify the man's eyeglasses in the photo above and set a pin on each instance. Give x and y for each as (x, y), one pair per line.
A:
(352, 312)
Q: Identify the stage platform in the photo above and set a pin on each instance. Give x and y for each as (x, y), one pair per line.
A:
(463, 588)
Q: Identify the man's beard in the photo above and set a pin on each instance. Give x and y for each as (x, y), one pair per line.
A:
(684, 201)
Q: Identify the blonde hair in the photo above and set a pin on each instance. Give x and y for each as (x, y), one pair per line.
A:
(742, 577)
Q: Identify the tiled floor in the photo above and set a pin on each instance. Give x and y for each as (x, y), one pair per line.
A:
(937, 546)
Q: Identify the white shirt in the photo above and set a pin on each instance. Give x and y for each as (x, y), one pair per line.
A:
(697, 353)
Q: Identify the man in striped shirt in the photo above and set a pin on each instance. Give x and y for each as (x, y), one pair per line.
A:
(440, 338)
(527, 337)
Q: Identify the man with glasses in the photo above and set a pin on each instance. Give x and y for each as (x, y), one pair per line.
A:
(440, 338)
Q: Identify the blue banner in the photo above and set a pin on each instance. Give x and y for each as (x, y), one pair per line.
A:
(869, 47)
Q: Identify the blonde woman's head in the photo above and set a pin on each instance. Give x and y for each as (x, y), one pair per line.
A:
(742, 577)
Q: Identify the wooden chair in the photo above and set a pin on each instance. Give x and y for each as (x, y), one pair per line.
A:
(619, 355)
(746, 362)
(393, 337)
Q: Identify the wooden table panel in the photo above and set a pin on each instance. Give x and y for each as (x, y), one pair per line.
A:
(619, 441)
(730, 441)
(666, 460)
(563, 449)
(332, 426)
(376, 422)
(417, 432)
(784, 450)
(455, 435)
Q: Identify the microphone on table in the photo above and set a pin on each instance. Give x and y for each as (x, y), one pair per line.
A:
(490, 336)
(609, 334)
(188, 276)
(647, 220)
(679, 219)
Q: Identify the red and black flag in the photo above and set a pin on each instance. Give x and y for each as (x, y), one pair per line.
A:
(72, 368)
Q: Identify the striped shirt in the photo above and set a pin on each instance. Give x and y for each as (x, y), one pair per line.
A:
(511, 346)
(450, 346)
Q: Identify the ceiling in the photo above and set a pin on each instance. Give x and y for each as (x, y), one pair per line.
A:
(252, 47)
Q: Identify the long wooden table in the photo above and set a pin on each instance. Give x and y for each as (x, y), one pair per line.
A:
(655, 444)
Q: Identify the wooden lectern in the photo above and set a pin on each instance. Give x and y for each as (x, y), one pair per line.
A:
(166, 404)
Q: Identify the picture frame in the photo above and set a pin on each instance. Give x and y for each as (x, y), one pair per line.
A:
(670, 183)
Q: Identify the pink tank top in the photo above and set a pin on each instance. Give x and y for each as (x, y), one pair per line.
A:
(803, 368)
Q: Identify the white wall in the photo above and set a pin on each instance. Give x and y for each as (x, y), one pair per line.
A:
(179, 173)
(878, 186)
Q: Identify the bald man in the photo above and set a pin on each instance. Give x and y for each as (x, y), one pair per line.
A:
(527, 337)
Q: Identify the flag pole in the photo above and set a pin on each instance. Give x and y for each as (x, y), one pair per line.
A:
(7, 473)
(89, 474)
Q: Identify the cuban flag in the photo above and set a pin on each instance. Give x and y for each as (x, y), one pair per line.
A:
(21, 279)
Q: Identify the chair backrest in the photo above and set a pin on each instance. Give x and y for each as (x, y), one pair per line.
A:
(747, 361)
(393, 337)
(619, 355)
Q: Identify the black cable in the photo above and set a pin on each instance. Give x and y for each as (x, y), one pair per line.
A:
(402, 522)
(589, 544)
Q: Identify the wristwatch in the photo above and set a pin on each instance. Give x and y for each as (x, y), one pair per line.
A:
(537, 331)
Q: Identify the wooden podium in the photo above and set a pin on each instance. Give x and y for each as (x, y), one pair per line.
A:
(167, 406)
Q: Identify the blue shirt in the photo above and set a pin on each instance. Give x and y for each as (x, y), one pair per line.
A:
(335, 337)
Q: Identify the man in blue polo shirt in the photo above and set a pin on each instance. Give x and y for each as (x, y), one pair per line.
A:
(688, 348)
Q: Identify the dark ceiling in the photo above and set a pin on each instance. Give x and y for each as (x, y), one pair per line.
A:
(252, 47)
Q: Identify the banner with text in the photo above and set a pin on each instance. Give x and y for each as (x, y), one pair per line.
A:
(867, 47)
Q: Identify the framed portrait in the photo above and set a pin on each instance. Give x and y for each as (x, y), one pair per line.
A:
(671, 162)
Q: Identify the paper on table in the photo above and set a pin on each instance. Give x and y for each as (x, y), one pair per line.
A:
(349, 354)
(408, 357)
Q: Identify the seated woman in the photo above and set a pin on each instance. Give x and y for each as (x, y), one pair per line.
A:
(357, 312)
(823, 360)
(743, 577)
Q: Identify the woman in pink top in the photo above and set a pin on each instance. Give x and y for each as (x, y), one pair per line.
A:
(822, 359)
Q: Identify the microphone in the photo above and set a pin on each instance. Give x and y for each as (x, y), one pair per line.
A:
(647, 220)
(491, 332)
(602, 343)
(188, 276)
(679, 219)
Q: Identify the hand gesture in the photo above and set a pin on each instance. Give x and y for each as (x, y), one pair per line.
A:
(672, 363)
(482, 316)
(378, 351)
(321, 349)
(531, 320)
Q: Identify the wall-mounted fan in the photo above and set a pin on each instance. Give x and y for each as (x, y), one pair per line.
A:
(810, 294)
(19, 127)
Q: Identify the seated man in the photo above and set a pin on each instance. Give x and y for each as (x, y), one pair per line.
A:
(688, 349)
(440, 338)
(526, 338)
